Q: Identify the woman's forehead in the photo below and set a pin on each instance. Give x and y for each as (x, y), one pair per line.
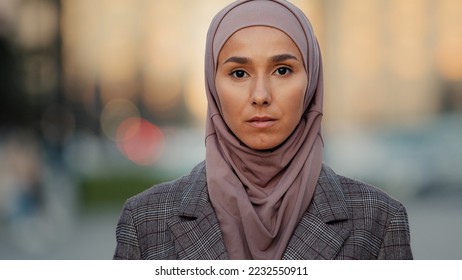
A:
(259, 41)
(258, 13)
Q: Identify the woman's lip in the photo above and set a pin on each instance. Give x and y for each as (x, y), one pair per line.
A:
(261, 119)
(261, 122)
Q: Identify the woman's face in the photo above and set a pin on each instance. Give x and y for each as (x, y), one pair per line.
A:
(261, 85)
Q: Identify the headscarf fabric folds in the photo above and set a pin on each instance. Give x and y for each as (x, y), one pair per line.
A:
(260, 196)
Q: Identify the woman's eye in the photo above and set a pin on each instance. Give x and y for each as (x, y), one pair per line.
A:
(283, 71)
(238, 74)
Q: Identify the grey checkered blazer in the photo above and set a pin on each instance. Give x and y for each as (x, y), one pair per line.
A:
(346, 219)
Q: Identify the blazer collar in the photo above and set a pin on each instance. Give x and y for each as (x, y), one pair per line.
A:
(195, 230)
(329, 199)
(197, 234)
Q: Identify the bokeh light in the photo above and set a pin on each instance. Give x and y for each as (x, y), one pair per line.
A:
(114, 113)
(140, 141)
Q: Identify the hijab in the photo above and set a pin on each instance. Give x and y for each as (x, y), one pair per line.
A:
(260, 196)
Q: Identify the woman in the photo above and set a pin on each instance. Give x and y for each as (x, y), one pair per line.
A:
(263, 191)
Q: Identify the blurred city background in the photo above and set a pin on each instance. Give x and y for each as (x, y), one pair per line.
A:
(101, 99)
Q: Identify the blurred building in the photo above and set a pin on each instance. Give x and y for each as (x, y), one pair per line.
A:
(386, 61)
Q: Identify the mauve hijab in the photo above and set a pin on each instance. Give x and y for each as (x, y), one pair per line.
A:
(260, 196)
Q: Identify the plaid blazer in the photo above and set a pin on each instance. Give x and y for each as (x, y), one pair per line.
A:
(346, 219)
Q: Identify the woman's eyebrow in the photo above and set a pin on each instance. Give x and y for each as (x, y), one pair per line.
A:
(275, 59)
(237, 59)
(282, 57)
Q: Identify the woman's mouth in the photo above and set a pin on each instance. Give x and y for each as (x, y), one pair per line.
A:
(261, 122)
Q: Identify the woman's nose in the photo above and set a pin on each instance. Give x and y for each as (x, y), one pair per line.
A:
(261, 93)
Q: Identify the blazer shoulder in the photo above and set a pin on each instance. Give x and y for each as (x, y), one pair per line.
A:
(377, 222)
(362, 194)
(171, 192)
(143, 228)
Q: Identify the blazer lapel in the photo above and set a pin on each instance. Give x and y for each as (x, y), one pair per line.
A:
(318, 235)
(196, 231)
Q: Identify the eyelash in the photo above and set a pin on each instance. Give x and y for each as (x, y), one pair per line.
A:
(287, 69)
(234, 73)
